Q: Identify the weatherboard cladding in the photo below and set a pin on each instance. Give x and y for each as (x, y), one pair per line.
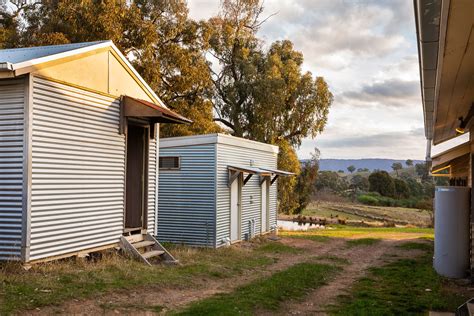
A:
(186, 204)
(251, 192)
(194, 203)
(12, 109)
(78, 170)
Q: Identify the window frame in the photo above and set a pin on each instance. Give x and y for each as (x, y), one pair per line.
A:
(171, 168)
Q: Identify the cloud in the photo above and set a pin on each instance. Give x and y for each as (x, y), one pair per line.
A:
(366, 50)
(396, 145)
(392, 92)
(332, 33)
(374, 140)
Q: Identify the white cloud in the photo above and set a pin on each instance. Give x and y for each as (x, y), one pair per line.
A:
(366, 50)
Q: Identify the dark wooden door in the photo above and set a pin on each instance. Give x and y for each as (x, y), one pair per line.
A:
(136, 168)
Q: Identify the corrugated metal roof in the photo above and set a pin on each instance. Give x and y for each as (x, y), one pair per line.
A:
(278, 172)
(216, 138)
(251, 170)
(19, 55)
(160, 114)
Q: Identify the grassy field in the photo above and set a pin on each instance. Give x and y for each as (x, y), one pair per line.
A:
(266, 294)
(55, 282)
(354, 211)
(402, 287)
(399, 280)
(349, 232)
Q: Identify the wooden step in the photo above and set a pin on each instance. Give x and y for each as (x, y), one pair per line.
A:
(153, 253)
(132, 243)
(142, 244)
(134, 238)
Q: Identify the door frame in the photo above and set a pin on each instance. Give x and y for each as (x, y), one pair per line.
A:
(265, 184)
(239, 182)
(146, 158)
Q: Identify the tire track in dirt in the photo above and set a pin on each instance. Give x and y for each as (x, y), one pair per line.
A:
(361, 258)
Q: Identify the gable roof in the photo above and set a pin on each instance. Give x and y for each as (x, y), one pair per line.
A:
(20, 60)
(20, 55)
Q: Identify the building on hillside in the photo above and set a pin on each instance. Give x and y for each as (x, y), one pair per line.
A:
(216, 189)
(78, 151)
(445, 32)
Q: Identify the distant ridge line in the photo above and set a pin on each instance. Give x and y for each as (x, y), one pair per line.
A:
(369, 163)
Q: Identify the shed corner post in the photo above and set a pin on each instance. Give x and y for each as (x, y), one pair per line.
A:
(157, 176)
(471, 222)
(27, 168)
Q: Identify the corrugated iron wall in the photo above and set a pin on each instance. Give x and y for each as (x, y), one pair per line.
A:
(12, 109)
(151, 186)
(78, 162)
(251, 192)
(186, 204)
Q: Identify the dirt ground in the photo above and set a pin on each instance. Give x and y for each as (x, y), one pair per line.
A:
(315, 303)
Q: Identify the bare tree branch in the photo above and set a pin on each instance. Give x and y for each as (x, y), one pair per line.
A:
(225, 122)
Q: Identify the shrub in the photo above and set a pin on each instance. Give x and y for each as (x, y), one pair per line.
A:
(380, 181)
(367, 199)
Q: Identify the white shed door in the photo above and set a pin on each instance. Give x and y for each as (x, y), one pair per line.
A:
(264, 189)
(234, 210)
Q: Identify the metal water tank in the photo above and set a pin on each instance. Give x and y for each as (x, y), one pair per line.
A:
(451, 246)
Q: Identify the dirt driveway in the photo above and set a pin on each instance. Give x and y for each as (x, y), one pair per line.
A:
(356, 262)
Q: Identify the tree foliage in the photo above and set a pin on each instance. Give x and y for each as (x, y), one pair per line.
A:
(402, 190)
(305, 185)
(164, 45)
(397, 166)
(262, 94)
(198, 68)
(288, 160)
(422, 171)
(381, 182)
(351, 168)
(359, 182)
(330, 181)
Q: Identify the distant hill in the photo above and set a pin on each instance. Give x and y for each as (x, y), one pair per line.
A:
(370, 163)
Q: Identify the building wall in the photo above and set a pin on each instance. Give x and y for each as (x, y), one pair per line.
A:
(251, 192)
(186, 204)
(12, 136)
(98, 70)
(78, 170)
(152, 181)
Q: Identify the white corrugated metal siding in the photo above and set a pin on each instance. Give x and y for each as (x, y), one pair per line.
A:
(251, 192)
(12, 109)
(151, 186)
(78, 170)
(186, 204)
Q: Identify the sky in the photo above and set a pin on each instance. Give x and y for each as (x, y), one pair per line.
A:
(366, 50)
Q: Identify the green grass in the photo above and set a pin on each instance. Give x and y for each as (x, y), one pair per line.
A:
(265, 294)
(417, 230)
(415, 245)
(361, 212)
(342, 231)
(362, 242)
(399, 288)
(326, 213)
(277, 248)
(304, 235)
(55, 282)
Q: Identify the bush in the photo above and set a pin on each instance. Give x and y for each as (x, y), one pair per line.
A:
(367, 199)
(382, 182)
(375, 199)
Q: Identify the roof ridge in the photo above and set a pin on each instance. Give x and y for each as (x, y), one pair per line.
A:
(48, 46)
